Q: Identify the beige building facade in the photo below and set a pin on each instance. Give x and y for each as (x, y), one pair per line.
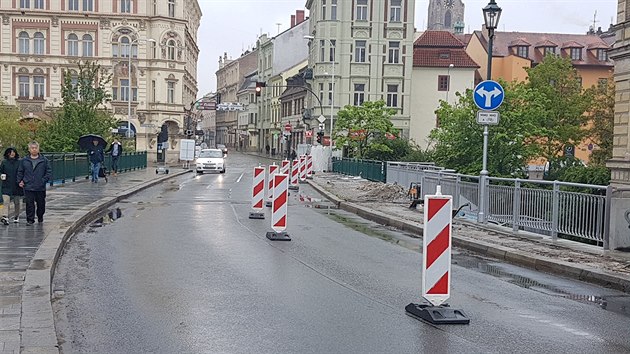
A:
(360, 51)
(41, 40)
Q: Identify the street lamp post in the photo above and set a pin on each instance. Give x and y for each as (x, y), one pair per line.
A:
(130, 52)
(448, 75)
(491, 15)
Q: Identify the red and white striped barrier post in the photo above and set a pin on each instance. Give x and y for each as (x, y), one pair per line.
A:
(279, 208)
(295, 172)
(309, 166)
(302, 168)
(273, 169)
(285, 166)
(436, 263)
(258, 193)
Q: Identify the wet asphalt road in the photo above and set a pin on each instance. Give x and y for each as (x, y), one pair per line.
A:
(183, 270)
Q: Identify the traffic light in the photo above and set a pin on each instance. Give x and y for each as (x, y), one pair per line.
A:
(320, 137)
(259, 86)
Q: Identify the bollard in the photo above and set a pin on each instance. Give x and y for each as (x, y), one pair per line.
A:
(279, 209)
(273, 169)
(258, 193)
(309, 167)
(295, 171)
(302, 168)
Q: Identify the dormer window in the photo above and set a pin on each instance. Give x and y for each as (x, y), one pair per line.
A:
(549, 50)
(522, 51)
(576, 53)
(602, 55)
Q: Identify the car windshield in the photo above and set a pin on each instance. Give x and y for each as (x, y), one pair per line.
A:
(211, 153)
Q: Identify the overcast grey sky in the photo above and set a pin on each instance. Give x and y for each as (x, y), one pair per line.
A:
(233, 25)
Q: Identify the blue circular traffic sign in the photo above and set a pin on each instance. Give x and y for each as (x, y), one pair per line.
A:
(489, 95)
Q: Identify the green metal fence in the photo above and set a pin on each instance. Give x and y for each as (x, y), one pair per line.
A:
(70, 166)
(368, 169)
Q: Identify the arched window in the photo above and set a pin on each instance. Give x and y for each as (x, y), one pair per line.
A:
(124, 47)
(39, 44)
(448, 20)
(88, 45)
(171, 49)
(39, 84)
(73, 45)
(24, 42)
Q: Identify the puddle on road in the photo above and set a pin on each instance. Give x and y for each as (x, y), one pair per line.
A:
(614, 303)
(109, 217)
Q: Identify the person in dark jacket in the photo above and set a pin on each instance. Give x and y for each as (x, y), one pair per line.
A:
(11, 191)
(97, 156)
(33, 173)
(115, 149)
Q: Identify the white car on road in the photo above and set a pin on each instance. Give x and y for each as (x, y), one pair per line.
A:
(210, 160)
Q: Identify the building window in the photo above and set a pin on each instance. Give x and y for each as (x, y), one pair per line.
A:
(171, 50)
(170, 92)
(153, 93)
(124, 89)
(73, 5)
(602, 55)
(362, 9)
(323, 9)
(333, 9)
(330, 93)
(321, 91)
(522, 51)
(576, 53)
(88, 5)
(73, 45)
(395, 10)
(392, 95)
(124, 47)
(322, 50)
(444, 82)
(154, 50)
(171, 8)
(25, 4)
(155, 10)
(394, 52)
(39, 43)
(39, 4)
(25, 89)
(549, 50)
(39, 87)
(359, 94)
(24, 42)
(333, 45)
(359, 51)
(125, 6)
(88, 45)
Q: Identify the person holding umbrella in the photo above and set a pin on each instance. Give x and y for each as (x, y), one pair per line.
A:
(97, 156)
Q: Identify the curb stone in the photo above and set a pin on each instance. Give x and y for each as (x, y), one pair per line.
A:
(38, 334)
(540, 263)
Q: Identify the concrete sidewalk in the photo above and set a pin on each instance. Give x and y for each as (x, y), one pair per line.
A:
(567, 258)
(28, 255)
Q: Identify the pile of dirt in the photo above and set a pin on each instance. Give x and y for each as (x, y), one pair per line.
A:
(374, 191)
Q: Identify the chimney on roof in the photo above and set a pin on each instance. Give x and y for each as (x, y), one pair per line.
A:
(292, 21)
(299, 17)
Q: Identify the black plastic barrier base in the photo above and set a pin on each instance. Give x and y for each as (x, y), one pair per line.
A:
(278, 236)
(255, 215)
(437, 314)
(294, 188)
(268, 204)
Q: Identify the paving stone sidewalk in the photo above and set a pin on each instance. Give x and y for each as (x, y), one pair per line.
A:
(26, 265)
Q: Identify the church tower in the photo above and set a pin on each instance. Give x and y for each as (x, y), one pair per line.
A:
(446, 15)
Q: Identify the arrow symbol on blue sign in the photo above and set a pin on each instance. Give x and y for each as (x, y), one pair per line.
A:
(489, 95)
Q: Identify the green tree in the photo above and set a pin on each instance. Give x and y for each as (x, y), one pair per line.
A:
(564, 118)
(363, 127)
(602, 122)
(458, 140)
(82, 110)
(13, 132)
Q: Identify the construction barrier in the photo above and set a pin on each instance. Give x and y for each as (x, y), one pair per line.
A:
(302, 168)
(285, 167)
(295, 172)
(279, 208)
(258, 193)
(436, 263)
(273, 169)
(309, 166)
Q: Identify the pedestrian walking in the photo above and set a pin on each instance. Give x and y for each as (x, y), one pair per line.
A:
(96, 156)
(115, 149)
(33, 173)
(293, 155)
(12, 193)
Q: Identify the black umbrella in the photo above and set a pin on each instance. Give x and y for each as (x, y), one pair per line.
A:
(85, 142)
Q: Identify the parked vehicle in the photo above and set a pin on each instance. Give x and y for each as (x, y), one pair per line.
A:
(210, 160)
(222, 148)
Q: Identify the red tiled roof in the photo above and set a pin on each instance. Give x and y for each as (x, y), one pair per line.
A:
(545, 43)
(519, 42)
(441, 39)
(464, 38)
(502, 42)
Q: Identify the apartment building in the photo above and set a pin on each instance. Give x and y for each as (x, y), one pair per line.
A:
(43, 39)
(362, 50)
